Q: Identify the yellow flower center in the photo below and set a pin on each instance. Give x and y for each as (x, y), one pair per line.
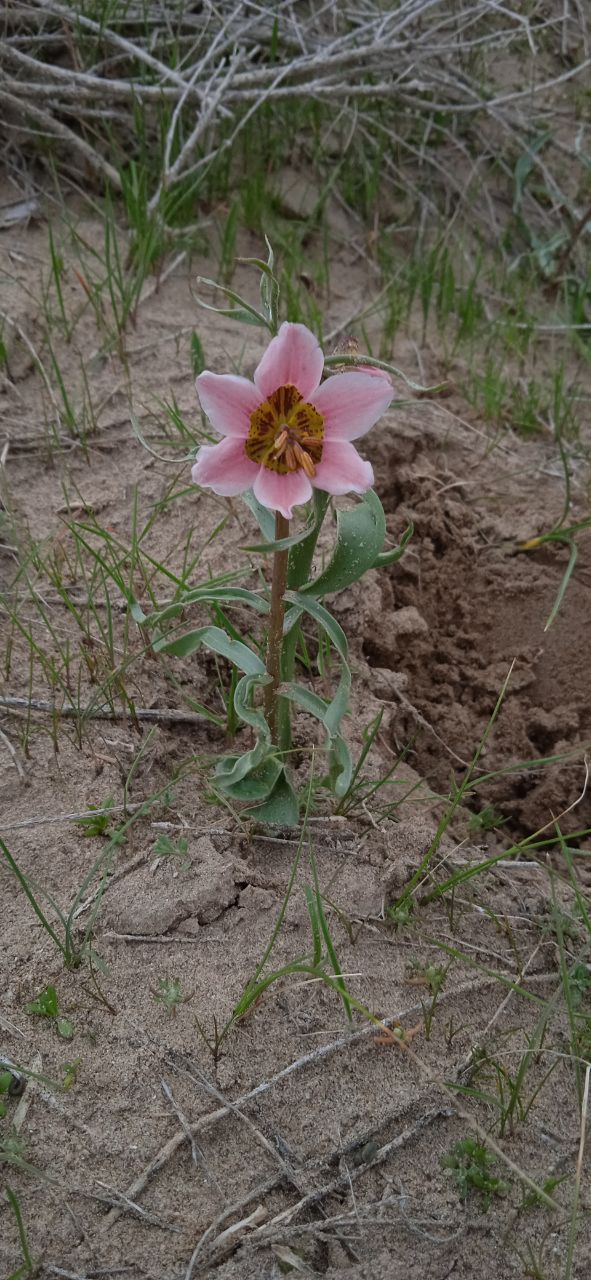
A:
(286, 433)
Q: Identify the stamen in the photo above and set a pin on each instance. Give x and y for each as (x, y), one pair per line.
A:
(305, 461)
(281, 442)
(290, 458)
(309, 441)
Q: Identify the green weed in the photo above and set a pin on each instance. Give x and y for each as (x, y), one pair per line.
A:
(470, 1165)
(169, 994)
(46, 1005)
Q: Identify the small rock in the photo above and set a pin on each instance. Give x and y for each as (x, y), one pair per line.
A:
(203, 850)
(152, 914)
(386, 683)
(253, 899)
(408, 622)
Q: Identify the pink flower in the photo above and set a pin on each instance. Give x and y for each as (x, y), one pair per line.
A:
(285, 431)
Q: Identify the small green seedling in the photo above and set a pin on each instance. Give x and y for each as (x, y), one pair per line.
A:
(531, 1200)
(489, 819)
(470, 1165)
(70, 1070)
(164, 847)
(579, 981)
(170, 994)
(98, 822)
(427, 975)
(401, 913)
(46, 1005)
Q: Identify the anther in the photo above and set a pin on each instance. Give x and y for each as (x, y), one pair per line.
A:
(290, 458)
(281, 443)
(304, 460)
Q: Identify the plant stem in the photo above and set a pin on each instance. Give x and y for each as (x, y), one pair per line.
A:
(275, 640)
(300, 566)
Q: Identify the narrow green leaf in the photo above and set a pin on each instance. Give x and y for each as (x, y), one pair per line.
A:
(560, 594)
(329, 714)
(330, 947)
(313, 914)
(242, 310)
(524, 166)
(396, 553)
(309, 604)
(201, 595)
(215, 639)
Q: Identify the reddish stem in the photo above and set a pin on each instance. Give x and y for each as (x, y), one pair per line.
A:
(275, 637)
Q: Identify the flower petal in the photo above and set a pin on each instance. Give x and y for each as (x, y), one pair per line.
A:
(350, 403)
(228, 401)
(342, 470)
(293, 357)
(225, 468)
(281, 493)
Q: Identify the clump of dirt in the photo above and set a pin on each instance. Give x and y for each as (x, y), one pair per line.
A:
(464, 607)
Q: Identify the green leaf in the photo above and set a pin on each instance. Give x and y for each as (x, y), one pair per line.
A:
(396, 553)
(197, 355)
(215, 639)
(308, 604)
(330, 715)
(5, 1081)
(200, 595)
(302, 554)
(282, 807)
(524, 166)
(360, 538)
(256, 785)
(45, 1005)
(243, 704)
(242, 311)
(560, 594)
(264, 518)
(232, 771)
(65, 1029)
(284, 544)
(342, 765)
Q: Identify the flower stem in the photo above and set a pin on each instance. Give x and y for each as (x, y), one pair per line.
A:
(275, 639)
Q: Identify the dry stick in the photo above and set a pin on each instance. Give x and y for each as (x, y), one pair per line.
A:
(317, 1055)
(129, 47)
(36, 361)
(275, 641)
(338, 1185)
(9, 747)
(163, 715)
(48, 121)
(262, 1189)
(286, 1172)
(229, 1236)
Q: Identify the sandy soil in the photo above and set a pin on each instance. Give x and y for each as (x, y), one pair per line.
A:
(315, 1150)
